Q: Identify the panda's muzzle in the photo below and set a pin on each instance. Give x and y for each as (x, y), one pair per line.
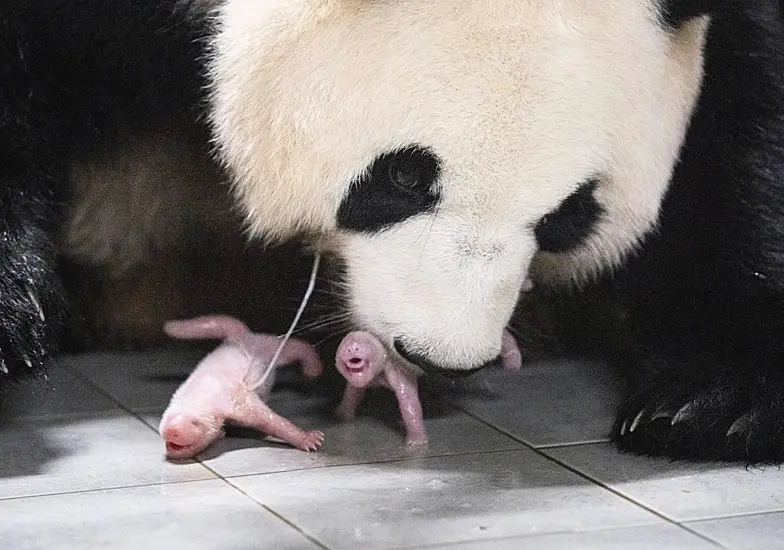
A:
(431, 368)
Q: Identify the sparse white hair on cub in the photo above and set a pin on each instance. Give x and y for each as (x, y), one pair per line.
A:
(521, 101)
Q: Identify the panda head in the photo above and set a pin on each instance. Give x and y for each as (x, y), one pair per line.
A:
(447, 150)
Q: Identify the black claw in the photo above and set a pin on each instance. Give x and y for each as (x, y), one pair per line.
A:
(637, 420)
(740, 426)
(624, 427)
(662, 412)
(684, 413)
(733, 414)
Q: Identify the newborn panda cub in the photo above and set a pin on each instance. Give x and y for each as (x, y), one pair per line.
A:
(363, 361)
(218, 391)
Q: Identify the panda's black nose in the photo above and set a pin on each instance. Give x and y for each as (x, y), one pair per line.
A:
(432, 368)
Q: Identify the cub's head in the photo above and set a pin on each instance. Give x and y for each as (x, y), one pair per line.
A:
(447, 150)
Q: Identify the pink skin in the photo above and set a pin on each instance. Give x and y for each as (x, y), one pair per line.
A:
(511, 356)
(528, 285)
(363, 361)
(215, 392)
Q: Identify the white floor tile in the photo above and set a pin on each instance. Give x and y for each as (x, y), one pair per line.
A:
(376, 435)
(145, 382)
(663, 536)
(758, 532)
(681, 491)
(473, 487)
(208, 515)
(548, 403)
(81, 453)
(440, 500)
(63, 393)
(365, 440)
(138, 380)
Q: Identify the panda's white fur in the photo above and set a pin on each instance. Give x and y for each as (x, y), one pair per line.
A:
(307, 93)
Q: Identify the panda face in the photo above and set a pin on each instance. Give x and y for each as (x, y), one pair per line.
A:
(447, 150)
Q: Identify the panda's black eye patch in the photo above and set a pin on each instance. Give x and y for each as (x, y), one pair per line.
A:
(569, 225)
(398, 185)
(676, 12)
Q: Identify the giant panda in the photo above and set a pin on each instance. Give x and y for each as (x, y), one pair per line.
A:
(445, 154)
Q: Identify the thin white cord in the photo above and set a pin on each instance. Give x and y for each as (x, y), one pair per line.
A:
(311, 286)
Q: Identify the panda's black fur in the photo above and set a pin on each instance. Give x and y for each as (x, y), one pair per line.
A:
(703, 300)
(71, 72)
(705, 297)
(695, 317)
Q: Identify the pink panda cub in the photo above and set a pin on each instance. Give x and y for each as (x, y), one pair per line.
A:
(363, 361)
(216, 392)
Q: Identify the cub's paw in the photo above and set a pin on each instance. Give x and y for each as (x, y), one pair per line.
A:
(416, 440)
(695, 411)
(311, 442)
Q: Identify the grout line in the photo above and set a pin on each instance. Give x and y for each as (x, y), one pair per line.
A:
(528, 539)
(536, 449)
(228, 481)
(374, 462)
(101, 489)
(594, 481)
(61, 417)
(721, 517)
(281, 517)
(139, 417)
(573, 444)
(697, 534)
(702, 536)
(97, 386)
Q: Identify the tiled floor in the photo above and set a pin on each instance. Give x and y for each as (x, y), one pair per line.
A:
(515, 461)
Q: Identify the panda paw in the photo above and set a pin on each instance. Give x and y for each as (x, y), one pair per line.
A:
(698, 412)
(31, 314)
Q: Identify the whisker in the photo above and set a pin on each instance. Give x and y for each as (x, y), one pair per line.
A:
(328, 338)
(321, 324)
(326, 317)
(427, 236)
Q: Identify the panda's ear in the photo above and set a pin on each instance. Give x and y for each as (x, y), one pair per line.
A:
(676, 12)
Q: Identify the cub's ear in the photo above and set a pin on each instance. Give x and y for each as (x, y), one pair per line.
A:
(676, 12)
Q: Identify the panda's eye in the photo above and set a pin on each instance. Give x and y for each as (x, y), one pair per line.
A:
(572, 222)
(411, 169)
(404, 173)
(398, 185)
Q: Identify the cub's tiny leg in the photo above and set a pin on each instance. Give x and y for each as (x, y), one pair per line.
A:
(259, 416)
(352, 398)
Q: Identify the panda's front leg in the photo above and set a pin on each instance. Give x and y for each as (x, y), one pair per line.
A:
(704, 408)
(32, 305)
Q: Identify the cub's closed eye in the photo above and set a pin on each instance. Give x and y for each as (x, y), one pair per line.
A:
(398, 185)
